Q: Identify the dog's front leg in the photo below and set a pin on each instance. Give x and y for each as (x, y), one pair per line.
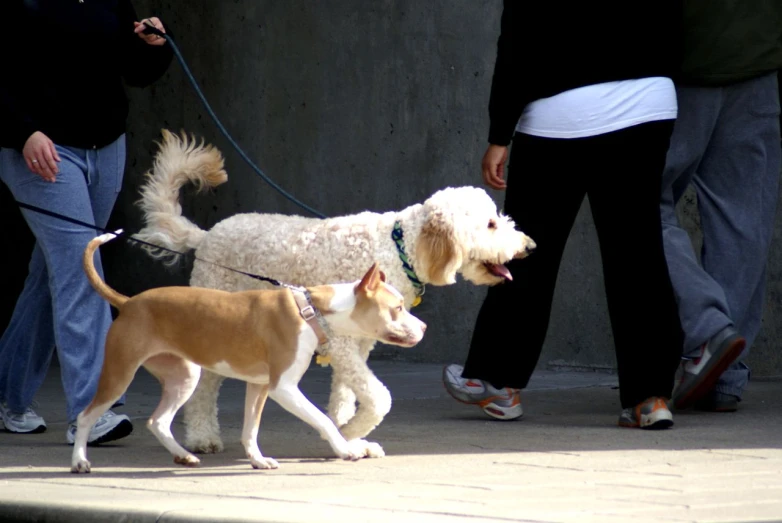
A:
(202, 430)
(294, 401)
(374, 398)
(342, 400)
(254, 400)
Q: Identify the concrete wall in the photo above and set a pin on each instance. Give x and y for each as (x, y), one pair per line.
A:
(355, 105)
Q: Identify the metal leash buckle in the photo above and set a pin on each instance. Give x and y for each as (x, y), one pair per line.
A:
(308, 312)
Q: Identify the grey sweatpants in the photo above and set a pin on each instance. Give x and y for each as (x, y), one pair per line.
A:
(726, 142)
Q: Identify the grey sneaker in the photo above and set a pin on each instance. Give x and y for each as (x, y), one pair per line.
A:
(717, 402)
(504, 404)
(109, 427)
(700, 374)
(651, 414)
(27, 422)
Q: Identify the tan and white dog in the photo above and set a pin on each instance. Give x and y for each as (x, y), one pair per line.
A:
(266, 338)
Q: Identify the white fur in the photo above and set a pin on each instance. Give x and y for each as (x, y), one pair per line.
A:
(223, 369)
(452, 232)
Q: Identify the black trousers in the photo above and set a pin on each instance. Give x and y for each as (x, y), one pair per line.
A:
(621, 174)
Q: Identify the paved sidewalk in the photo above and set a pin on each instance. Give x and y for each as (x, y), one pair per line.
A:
(565, 461)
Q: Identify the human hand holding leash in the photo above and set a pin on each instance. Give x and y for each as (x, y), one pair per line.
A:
(151, 39)
(41, 156)
(493, 166)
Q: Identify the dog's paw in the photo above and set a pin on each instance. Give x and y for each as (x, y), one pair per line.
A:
(263, 463)
(81, 467)
(349, 451)
(364, 449)
(205, 445)
(187, 460)
(371, 449)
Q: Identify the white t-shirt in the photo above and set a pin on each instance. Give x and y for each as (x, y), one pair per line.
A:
(600, 108)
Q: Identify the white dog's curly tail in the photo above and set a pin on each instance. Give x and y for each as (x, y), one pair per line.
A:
(179, 160)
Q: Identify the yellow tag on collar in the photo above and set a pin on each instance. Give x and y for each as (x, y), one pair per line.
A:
(323, 361)
(416, 301)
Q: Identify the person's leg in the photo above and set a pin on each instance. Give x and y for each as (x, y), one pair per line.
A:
(624, 188)
(19, 243)
(27, 344)
(702, 303)
(545, 191)
(80, 315)
(105, 173)
(737, 187)
(711, 342)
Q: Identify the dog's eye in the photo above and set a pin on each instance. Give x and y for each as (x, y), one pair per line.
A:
(399, 308)
(492, 224)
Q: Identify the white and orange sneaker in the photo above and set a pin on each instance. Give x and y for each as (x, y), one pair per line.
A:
(652, 413)
(503, 404)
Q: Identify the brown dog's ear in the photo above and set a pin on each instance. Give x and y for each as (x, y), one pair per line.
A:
(437, 253)
(382, 276)
(371, 280)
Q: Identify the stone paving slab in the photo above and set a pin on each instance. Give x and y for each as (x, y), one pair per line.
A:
(565, 461)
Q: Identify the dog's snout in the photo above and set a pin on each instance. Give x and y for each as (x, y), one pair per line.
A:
(530, 246)
(423, 327)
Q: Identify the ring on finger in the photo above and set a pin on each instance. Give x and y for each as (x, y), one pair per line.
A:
(33, 161)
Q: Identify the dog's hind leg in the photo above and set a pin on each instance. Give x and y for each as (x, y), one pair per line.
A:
(202, 430)
(178, 378)
(84, 423)
(254, 400)
(115, 378)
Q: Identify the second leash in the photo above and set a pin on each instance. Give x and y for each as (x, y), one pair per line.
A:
(153, 30)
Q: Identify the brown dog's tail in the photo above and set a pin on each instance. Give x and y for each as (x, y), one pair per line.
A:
(109, 294)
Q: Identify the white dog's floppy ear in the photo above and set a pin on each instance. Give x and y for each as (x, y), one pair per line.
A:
(437, 253)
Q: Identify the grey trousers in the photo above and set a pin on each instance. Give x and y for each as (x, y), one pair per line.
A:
(726, 142)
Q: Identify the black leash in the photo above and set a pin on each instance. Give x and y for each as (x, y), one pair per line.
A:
(153, 30)
(124, 236)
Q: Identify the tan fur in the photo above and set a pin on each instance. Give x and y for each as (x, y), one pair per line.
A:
(106, 292)
(190, 322)
(256, 334)
(437, 250)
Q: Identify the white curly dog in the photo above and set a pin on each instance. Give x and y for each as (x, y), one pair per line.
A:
(455, 231)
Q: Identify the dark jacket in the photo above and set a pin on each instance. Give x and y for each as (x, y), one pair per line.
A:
(729, 41)
(64, 63)
(548, 47)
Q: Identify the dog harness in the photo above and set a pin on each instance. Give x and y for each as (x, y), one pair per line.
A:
(316, 322)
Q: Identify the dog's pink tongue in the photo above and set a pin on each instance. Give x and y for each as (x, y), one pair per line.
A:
(499, 270)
